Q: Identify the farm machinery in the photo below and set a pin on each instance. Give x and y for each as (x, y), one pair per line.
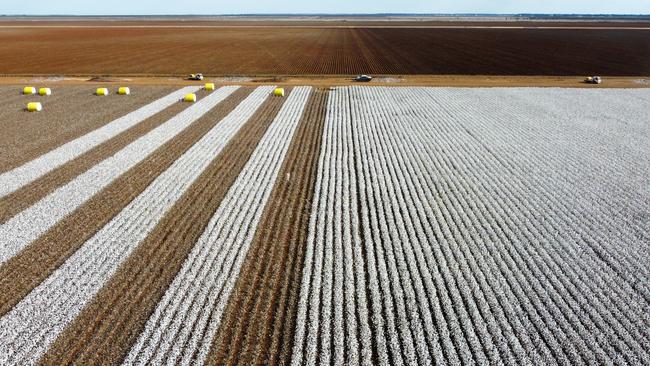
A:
(593, 80)
(363, 78)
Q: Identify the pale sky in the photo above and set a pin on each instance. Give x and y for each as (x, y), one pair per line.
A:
(207, 7)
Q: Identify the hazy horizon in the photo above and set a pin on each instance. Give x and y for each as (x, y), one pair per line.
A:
(332, 7)
(332, 15)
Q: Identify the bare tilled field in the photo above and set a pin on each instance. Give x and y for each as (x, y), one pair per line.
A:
(323, 48)
(345, 225)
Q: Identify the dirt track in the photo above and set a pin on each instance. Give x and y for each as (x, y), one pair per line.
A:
(331, 51)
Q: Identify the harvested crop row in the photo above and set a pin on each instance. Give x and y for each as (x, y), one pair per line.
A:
(257, 326)
(57, 176)
(34, 323)
(185, 321)
(70, 113)
(10, 95)
(463, 253)
(272, 51)
(40, 258)
(28, 225)
(107, 328)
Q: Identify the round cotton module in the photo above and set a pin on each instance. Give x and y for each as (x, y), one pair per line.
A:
(34, 107)
(101, 91)
(29, 90)
(190, 98)
(44, 91)
(124, 91)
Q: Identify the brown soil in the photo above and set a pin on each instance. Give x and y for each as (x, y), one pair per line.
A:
(68, 113)
(321, 49)
(257, 327)
(33, 264)
(31, 193)
(107, 328)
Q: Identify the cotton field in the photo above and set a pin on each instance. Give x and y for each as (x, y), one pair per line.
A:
(350, 225)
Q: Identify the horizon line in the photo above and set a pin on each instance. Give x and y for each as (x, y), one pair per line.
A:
(339, 14)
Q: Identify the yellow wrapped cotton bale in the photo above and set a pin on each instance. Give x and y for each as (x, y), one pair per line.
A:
(29, 90)
(34, 107)
(44, 91)
(209, 86)
(279, 92)
(190, 98)
(101, 91)
(124, 91)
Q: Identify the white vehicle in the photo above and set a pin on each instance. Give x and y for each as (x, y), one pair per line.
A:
(195, 77)
(363, 78)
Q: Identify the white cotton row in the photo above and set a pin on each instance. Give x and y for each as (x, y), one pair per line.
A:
(471, 254)
(14, 179)
(31, 223)
(181, 330)
(32, 325)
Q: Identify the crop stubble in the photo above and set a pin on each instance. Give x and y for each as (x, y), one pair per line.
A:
(29, 194)
(257, 327)
(35, 262)
(69, 112)
(105, 333)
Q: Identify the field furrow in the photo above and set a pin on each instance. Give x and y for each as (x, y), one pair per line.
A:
(28, 225)
(257, 326)
(182, 328)
(34, 323)
(107, 328)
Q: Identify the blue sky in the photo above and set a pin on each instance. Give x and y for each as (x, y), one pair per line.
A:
(139, 7)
